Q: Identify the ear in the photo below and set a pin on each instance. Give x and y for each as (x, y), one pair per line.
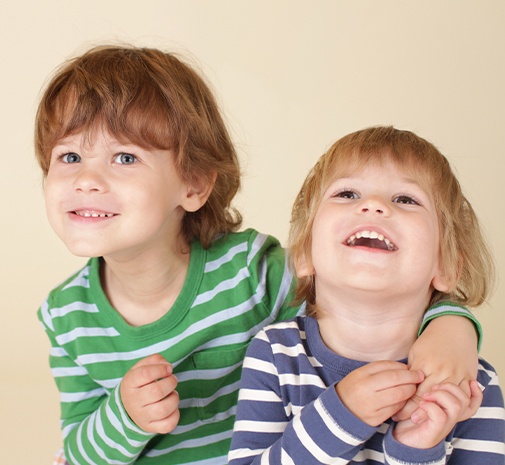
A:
(197, 192)
(303, 266)
(441, 282)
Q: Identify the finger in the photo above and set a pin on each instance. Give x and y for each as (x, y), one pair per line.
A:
(166, 425)
(450, 398)
(452, 389)
(147, 374)
(395, 378)
(157, 390)
(418, 416)
(384, 365)
(434, 412)
(162, 410)
(475, 401)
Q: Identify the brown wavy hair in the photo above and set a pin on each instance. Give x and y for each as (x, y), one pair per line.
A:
(156, 101)
(466, 260)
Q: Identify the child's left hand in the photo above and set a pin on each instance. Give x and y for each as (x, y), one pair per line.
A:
(443, 359)
(443, 407)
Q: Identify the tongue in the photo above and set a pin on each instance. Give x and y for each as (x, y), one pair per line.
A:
(372, 243)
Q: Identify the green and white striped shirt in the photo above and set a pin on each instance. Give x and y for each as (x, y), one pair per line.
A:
(232, 290)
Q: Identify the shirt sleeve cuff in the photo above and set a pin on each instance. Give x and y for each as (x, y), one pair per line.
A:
(449, 308)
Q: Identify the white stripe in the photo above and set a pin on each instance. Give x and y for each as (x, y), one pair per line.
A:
(116, 423)
(258, 395)
(80, 445)
(73, 307)
(112, 444)
(204, 401)
(225, 285)
(309, 444)
(286, 459)
(81, 280)
(243, 453)
(191, 443)
(304, 379)
(257, 244)
(68, 371)
(446, 308)
(490, 412)
(476, 445)
(69, 397)
(46, 316)
(58, 352)
(335, 428)
(275, 427)
(285, 287)
(260, 365)
(67, 429)
(126, 419)
(76, 333)
(226, 258)
(96, 423)
(290, 351)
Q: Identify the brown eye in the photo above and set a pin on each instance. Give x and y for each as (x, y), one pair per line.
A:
(347, 194)
(405, 199)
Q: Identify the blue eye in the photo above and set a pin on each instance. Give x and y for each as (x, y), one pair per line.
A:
(347, 194)
(71, 158)
(125, 158)
(405, 199)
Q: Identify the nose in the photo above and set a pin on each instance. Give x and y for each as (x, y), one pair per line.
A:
(374, 204)
(90, 179)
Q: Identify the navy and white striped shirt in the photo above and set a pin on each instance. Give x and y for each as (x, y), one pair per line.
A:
(289, 411)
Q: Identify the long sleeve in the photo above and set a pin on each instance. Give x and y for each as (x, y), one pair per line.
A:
(269, 431)
(96, 428)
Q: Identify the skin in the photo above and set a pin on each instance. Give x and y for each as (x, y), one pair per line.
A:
(105, 198)
(371, 295)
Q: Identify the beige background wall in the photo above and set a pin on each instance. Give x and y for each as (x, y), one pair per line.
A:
(292, 76)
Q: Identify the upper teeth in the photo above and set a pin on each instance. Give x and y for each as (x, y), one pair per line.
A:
(370, 235)
(94, 214)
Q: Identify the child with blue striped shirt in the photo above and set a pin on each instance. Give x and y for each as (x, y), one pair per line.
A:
(380, 232)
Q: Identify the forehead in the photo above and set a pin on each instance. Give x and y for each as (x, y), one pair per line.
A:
(407, 167)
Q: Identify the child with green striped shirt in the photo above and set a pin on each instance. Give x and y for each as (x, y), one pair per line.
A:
(148, 339)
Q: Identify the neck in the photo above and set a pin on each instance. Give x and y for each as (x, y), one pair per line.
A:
(143, 288)
(370, 329)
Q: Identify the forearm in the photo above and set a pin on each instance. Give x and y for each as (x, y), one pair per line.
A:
(105, 436)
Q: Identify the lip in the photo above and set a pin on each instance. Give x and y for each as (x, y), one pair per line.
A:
(370, 237)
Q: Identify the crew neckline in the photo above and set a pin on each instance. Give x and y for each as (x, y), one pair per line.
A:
(172, 317)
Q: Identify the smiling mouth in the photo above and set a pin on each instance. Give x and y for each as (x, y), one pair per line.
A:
(371, 239)
(93, 214)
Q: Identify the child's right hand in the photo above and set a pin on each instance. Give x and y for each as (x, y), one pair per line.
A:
(149, 396)
(374, 392)
(443, 406)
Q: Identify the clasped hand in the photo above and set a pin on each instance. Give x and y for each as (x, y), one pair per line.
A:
(379, 390)
(149, 396)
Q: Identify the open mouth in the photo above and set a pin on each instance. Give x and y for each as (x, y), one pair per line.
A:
(371, 239)
(93, 214)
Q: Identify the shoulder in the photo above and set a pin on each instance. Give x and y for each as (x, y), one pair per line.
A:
(245, 249)
(77, 288)
(246, 242)
(281, 335)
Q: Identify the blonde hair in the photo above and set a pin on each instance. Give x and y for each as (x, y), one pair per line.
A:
(154, 100)
(466, 260)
